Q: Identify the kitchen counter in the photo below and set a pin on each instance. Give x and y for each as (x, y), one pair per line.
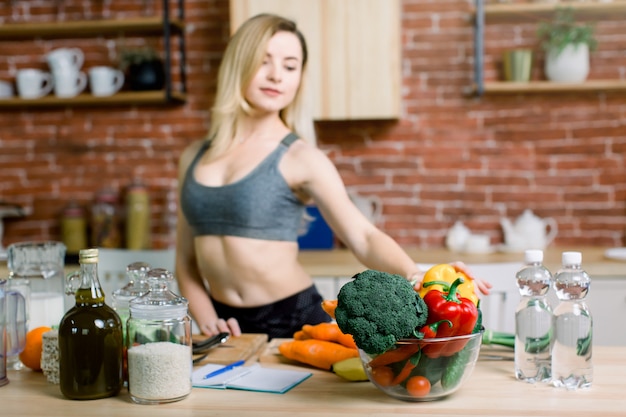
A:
(341, 262)
(491, 391)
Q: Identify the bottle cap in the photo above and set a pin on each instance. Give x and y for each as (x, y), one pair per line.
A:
(73, 209)
(533, 256)
(88, 256)
(106, 195)
(570, 258)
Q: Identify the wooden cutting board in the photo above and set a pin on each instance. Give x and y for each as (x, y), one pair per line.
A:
(237, 348)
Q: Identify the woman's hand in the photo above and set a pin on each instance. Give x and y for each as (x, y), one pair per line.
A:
(220, 325)
(482, 285)
(416, 279)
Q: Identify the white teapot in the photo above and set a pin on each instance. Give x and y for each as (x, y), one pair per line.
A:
(528, 232)
(457, 237)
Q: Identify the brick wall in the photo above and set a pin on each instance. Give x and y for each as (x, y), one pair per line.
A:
(449, 157)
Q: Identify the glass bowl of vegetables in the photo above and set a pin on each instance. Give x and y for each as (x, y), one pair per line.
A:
(423, 369)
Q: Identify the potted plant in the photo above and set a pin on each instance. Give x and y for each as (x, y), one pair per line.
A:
(143, 68)
(566, 44)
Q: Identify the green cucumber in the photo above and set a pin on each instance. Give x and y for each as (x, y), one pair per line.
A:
(456, 367)
(431, 368)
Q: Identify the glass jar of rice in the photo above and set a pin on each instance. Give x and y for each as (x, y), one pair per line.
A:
(159, 343)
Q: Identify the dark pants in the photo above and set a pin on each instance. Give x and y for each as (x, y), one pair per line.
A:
(280, 319)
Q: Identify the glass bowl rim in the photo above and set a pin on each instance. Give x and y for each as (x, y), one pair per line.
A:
(413, 340)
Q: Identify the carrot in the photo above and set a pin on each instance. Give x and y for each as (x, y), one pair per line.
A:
(329, 307)
(405, 372)
(318, 353)
(329, 332)
(301, 335)
(395, 355)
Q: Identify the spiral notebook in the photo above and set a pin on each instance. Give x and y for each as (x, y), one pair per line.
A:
(249, 378)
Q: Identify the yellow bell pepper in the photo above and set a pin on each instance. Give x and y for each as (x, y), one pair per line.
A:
(447, 273)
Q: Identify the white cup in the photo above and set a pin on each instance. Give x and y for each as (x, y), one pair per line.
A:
(69, 83)
(6, 89)
(105, 81)
(63, 59)
(33, 83)
(478, 243)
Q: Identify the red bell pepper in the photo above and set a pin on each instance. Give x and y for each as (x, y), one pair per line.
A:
(461, 312)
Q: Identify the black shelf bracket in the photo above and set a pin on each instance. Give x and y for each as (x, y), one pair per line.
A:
(479, 36)
(167, 37)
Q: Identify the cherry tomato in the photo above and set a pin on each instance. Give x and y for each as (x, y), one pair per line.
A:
(418, 386)
(382, 375)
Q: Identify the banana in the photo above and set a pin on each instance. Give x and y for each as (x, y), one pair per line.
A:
(350, 369)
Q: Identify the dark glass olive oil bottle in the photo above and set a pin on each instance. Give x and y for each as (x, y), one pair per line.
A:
(90, 338)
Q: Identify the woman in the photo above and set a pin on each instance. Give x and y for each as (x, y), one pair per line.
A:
(243, 194)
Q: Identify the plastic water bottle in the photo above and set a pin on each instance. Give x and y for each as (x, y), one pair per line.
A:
(571, 354)
(534, 321)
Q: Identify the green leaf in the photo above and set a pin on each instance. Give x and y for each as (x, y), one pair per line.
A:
(563, 30)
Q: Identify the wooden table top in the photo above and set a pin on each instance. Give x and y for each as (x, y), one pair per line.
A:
(491, 391)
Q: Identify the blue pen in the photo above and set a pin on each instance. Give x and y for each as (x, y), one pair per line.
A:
(224, 369)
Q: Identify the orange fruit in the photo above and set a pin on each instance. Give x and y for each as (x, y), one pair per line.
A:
(31, 355)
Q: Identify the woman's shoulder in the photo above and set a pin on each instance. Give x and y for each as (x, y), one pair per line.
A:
(307, 159)
(303, 150)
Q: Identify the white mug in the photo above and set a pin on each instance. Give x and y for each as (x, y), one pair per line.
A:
(33, 83)
(69, 83)
(6, 89)
(105, 81)
(63, 59)
(478, 243)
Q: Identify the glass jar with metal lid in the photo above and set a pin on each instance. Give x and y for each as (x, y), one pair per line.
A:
(159, 343)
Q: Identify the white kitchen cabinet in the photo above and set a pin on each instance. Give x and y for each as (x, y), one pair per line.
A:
(329, 286)
(354, 53)
(499, 306)
(607, 302)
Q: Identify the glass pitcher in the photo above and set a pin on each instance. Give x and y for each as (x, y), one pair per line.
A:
(36, 270)
(12, 326)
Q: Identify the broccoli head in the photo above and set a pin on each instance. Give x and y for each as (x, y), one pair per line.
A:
(378, 309)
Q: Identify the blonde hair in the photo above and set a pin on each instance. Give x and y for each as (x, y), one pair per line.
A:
(243, 57)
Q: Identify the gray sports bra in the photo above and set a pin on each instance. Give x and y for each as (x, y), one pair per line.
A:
(261, 205)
